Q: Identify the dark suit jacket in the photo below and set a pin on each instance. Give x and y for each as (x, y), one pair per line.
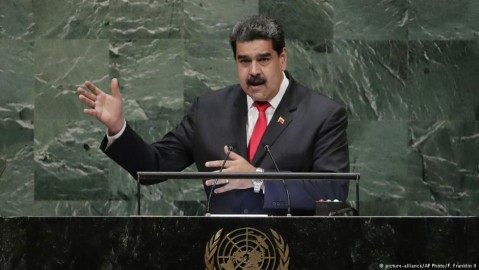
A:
(312, 138)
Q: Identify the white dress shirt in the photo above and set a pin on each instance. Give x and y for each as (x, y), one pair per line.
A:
(253, 112)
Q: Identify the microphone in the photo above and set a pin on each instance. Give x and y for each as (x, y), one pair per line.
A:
(267, 148)
(230, 148)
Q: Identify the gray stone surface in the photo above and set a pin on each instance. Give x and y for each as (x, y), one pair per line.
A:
(406, 71)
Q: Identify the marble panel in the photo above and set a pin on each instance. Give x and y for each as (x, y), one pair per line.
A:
(74, 19)
(146, 19)
(150, 73)
(68, 163)
(82, 208)
(472, 236)
(443, 20)
(303, 20)
(16, 182)
(441, 159)
(18, 186)
(16, 77)
(368, 77)
(442, 80)
(151, 80)
(378, 151)
(172, 197)
(209, 65)
(13, 244)
(411, 240)
(60, 67)
(214, 19)
(16, 19)
(16, 125)
(371, 19)
(162, 198)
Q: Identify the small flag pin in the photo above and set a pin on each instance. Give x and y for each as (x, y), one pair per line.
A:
(281, 120)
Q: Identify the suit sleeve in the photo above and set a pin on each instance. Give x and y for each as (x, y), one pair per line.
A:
(172, 153)
(330, 154)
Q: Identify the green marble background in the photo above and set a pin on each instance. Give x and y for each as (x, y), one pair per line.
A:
(406, 70)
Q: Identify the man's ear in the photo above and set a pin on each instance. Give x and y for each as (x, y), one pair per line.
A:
(283, 59)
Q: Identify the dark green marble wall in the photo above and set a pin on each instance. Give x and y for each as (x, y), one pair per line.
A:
(407, 71)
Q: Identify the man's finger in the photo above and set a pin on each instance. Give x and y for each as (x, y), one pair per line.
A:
(234, 156)
(226, 186)
(222, 189)
(90, 112)
(90, 103)
(86, 94)
(214, 163)
(95, 90)
(115, 89)
(211, 182)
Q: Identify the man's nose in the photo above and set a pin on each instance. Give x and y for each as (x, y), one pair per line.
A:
(255, 68)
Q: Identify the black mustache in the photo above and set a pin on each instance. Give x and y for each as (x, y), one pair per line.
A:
(256, 80)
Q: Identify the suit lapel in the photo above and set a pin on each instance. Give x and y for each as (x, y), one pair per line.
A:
(239, 127)
(282, 117)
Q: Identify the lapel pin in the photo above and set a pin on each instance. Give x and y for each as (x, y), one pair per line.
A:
(281, 120)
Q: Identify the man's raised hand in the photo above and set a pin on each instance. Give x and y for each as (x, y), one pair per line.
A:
(108, 109)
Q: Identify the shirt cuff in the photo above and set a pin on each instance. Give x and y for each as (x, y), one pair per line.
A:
(112, 139)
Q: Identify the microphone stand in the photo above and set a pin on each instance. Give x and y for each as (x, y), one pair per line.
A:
(230, 148)
(267, 148)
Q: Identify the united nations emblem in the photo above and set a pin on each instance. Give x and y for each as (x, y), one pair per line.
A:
(246, 248)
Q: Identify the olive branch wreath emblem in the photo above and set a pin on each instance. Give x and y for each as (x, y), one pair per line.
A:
(281, 246)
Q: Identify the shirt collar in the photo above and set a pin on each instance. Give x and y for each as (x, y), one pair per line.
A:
(274, 102)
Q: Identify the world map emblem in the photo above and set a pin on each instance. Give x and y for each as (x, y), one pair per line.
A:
(246, 248)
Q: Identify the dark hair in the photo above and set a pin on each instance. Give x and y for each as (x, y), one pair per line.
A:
(258, 27)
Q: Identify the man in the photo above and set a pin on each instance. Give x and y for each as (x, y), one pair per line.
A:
(305, 131)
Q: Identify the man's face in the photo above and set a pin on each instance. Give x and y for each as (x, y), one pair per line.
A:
(260, 68)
